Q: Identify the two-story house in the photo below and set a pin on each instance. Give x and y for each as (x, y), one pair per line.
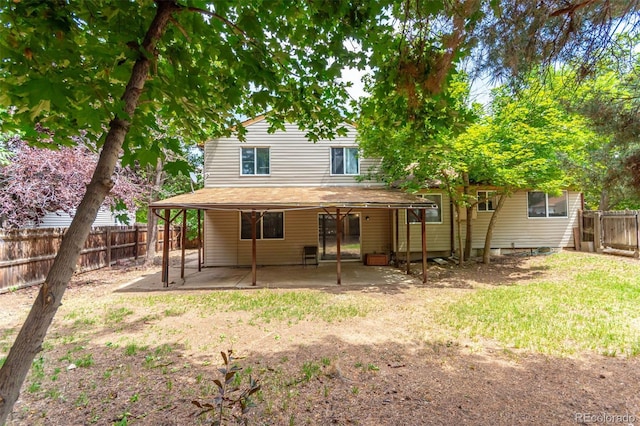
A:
(279, 199)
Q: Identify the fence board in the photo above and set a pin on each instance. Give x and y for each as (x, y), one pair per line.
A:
(618, 229)
(26, 255)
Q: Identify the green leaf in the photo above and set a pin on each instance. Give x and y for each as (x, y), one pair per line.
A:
(37, 111)
(178, 166)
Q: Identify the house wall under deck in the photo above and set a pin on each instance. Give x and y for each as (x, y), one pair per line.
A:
(223, 246)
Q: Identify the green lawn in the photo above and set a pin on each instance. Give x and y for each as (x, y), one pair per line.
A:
(593, 305)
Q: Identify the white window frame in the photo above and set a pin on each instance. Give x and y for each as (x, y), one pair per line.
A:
(546, 206)
(343, 148)
(487, 197)
(413, 221)
(255, 161)
(260, 215)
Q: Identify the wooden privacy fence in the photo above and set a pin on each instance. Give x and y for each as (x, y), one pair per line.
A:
(27, 254)
(618, 230)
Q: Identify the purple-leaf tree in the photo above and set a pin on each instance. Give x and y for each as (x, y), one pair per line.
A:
(40, 180)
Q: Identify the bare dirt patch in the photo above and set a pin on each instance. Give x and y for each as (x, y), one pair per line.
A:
(145, 364)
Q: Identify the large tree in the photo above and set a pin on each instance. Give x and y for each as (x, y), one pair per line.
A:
(610, 98)
(528, 142)
(416, 142)
(110, 68)
(414, 66)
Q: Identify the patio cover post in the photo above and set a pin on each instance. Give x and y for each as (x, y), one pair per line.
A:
(199, 242)
(397, 229)
(423, 214)
(183, 241)
(408, 251)
(165, 248)
(338, 237)
(253, 247)
(324, 234)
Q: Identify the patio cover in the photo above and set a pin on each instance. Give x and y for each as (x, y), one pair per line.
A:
(290, 198)
(263, 197)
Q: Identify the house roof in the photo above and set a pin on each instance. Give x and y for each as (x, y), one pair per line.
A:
(290, 198)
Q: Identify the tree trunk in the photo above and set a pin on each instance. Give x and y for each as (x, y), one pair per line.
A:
(469, 234)
(486, 255)
(604, 200)
(29, 341)
(152, 219)
(469, 207)
(460, 250)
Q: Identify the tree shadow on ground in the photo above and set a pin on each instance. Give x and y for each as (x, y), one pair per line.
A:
(502, 271)
(333, 381)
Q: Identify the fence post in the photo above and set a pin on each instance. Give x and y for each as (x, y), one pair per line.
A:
(636, 253)
(108, 246)
(580, 229)
(136, 235)
(597, 232)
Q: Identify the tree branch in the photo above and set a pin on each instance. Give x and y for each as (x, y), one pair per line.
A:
(241, 32)
(182, 30)
(570, 10)
(225, 21)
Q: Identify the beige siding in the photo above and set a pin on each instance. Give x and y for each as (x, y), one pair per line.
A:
(376, 232)
(515, 229)
(223, 246)
(300, 229)
(221, 238)
(438, 234)
(295, 161)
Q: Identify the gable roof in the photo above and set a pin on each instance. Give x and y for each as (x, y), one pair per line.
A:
(257, 119)
(250, 121)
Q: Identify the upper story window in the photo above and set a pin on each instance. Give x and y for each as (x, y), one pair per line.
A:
(255, 161)
(541, 204)
(431, 215)
(344, 161)
(486, 201)
(269, 225)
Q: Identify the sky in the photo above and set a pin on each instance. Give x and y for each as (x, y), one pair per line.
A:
(480, 87)
(355, 77)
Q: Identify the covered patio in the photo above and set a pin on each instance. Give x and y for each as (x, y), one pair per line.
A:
(337, 202)
(355, 274)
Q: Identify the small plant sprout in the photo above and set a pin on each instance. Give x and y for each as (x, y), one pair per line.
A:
(230, 396)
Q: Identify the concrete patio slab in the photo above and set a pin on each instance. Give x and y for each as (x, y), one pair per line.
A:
(323, 275)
